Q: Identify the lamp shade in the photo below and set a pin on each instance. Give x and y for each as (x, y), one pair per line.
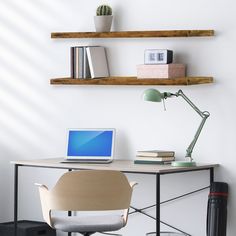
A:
(152, 95)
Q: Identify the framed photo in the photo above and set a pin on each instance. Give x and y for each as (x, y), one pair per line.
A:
(158, 56)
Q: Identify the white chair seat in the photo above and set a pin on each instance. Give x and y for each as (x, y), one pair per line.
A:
(88, 223)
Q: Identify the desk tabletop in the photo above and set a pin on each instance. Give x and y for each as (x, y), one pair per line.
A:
(120, 165)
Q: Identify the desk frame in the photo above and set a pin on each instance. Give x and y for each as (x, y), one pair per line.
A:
(156, 171)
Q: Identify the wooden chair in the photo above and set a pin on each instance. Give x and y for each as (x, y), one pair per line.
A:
(88, 190)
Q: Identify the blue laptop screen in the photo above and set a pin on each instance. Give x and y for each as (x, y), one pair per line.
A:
(90, 143)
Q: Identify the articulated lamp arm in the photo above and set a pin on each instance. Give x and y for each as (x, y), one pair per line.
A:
(203, 114)
(154, 95)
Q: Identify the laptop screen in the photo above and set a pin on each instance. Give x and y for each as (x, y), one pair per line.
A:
(90, 143)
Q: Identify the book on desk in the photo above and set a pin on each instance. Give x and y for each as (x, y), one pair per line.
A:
(156, 153)
(154, 157)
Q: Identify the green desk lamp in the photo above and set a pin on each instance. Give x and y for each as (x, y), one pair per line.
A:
(153, 95)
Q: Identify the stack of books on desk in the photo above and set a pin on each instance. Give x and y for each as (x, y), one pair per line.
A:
(154, 157)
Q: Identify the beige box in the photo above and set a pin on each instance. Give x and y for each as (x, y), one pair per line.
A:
(161, 71)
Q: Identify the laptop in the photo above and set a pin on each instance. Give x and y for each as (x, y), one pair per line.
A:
(90, 145)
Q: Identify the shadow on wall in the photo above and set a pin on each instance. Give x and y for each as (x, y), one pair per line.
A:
(29, 115)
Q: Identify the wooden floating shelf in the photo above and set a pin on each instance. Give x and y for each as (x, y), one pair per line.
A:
(135, 34)
(132, 81)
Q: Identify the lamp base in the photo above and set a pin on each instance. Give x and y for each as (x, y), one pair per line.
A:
(183, 163)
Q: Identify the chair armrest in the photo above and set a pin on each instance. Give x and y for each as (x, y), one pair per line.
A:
(44, 194)
(126, 211)
(132, 184)
(41, 185)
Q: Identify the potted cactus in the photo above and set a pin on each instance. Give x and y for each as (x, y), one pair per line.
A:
(103, 18)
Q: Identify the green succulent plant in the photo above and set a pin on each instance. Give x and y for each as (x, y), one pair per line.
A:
(104, 10)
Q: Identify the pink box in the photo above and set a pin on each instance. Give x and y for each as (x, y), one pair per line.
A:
(160, 71)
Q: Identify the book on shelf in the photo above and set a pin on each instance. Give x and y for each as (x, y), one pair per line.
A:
(152, 162)
(145, 158)
(156, 153)
(72, 72)
(86, 70)
(97, 61)
(79, 63)
(161, 71)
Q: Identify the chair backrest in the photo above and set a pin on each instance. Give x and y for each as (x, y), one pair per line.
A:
(91, 190)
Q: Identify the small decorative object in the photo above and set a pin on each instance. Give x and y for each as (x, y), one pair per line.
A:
(103, 18)
(153, 95)
(158, 56)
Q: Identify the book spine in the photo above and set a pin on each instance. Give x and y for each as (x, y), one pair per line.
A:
(86, 70)
(90, 61)
(152, 162)
(78, 63)
(146, 154)
(154, 158)
(72, 75)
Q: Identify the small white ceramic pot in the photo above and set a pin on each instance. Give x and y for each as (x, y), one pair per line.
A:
(103, 23)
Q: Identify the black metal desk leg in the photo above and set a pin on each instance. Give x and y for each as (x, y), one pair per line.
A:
(69, 212)
(211, 175)
(15, 198)
(158, 205)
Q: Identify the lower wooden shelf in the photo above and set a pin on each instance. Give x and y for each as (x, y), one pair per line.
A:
(132, 81)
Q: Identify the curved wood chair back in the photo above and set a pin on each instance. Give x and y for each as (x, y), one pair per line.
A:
(90, 190)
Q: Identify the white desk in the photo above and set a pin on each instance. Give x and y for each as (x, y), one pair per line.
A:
(120, 165)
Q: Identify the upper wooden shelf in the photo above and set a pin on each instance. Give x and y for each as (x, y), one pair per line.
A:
(115, 80)
(135, 34)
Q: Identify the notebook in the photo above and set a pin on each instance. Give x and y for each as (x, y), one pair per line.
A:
(90, 145)
(97, 61)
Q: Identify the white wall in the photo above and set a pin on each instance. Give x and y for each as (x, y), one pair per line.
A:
(34, 115)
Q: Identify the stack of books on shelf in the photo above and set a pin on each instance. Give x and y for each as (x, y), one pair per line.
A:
(154, 157)
(88, 62)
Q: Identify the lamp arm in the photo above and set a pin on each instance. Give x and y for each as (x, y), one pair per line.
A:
(192, 144)
(181, 94)
(203, 114)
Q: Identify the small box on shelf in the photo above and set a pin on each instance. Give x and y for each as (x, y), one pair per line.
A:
(161, 71)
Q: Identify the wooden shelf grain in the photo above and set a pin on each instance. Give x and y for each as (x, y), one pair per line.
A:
(135, 34)
(115, 80)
